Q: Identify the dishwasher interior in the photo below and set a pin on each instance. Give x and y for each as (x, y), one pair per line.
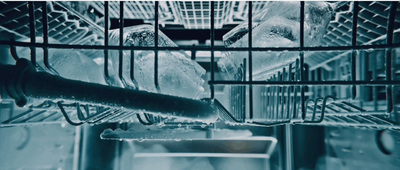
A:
(200, 85)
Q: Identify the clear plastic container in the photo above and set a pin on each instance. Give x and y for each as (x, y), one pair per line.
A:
(70, 64)
(278, 25)
(177, 74)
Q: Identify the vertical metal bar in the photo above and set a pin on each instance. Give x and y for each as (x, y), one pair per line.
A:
(232, 97)
(390, 28)
(268, 101)
(156, 46)
(250, 58)
(283, 97)
(273, 99)
(311, 78)
(288, 147)
(269, 95)
(302, 15)
(263, 101)
(260, 102)
(239, 103)
(234, 104)
(77, 145)
(243, 103)
(117, 152)
(212, 37)
(317, 78)
(106, 17)
(242, 94)
(389, 66)
(353, 73)
(132, 66)
(32, 20)
(314, 109)
(121, 38)
(289, 92)
(355, 23)
(193, 53)
(272, 105)
(301, 25)
(374, 88)
(45, 35)
(296, 78)
(277, 97)
(356, 9)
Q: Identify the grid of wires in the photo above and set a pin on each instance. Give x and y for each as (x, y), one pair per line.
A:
(196, 14)
(314, 107)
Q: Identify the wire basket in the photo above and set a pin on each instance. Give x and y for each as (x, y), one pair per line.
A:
(309, 91)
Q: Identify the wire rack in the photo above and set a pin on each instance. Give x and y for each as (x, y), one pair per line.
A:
(136, 10)
(196, 14)
(15, 19)
(303, 92)
(189, 14)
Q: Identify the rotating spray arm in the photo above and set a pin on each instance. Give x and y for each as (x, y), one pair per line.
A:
(22, 81)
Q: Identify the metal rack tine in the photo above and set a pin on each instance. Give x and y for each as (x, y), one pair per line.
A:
(143, 122)
(283, 97)
(13, 119)
(33, 116)
(48, 117)
(13, 51)
(315, 107)
(66, 116)
(105, 117)
(101, 115)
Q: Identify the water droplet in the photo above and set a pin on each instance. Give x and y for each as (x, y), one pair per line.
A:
(161, 125)
(369, 50)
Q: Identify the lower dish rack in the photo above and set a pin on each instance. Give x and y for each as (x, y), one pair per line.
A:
(297, 94)
(276, 104)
